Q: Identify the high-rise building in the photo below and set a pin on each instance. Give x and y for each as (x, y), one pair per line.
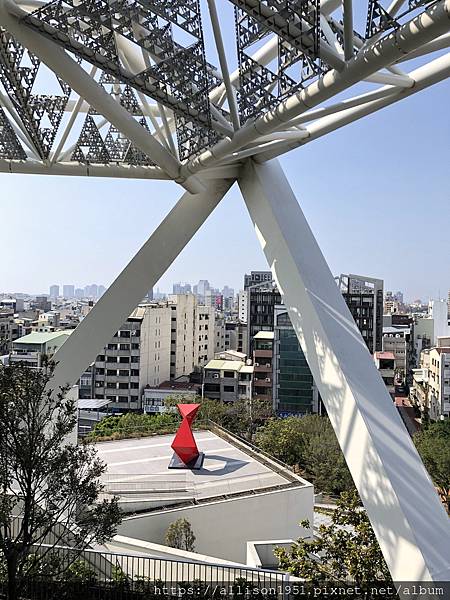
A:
(294, 390)
(68, 291)
(261, 301)
(364, 297)
(42, 303)
(120, 369)
(201, 289)
(79, 293)
(91, 291)
(227, 292)
(181, 288)
(54, 292)
(257, 277)
(263, 343)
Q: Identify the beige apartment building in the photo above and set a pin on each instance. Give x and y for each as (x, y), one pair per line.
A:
(160, 341)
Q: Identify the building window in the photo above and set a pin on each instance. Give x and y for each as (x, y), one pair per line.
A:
(228, 388)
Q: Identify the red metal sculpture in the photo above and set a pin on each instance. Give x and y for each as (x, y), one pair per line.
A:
(184, 445)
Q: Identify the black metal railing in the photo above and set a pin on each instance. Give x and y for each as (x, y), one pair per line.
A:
(63, 573)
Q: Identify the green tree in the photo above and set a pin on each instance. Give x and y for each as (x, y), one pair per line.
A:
(242, 417)
(344, 550)
(180, 535)
(284, 439)
(310, 444)
(133, 424)
(433, 445)
(325, 464)
(49, 487)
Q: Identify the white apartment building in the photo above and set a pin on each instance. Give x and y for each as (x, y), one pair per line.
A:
(439, 382)
(419, 389)
(432, 326)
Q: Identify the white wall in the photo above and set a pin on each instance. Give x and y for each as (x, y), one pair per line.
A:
(438, 310)
(154, 367)
(242, 306)
(223, 528)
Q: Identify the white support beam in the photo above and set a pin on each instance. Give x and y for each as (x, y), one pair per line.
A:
(423, 77)
(223, 64)
(130, 287)
(75, 169)
(347, 7)
(408, 518)
(323, 111)
(441, 43)
(413, 34)
(72, 73)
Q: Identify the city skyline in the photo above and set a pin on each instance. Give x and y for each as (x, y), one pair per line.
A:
(443, 294)
(219, 288)
(374, 225)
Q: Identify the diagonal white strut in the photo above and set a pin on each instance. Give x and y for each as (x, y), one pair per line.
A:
(409, 521)
(141, 274)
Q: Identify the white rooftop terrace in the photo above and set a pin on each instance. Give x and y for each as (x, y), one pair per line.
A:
(141, 465)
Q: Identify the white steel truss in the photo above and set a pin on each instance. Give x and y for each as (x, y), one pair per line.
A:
(132, 101)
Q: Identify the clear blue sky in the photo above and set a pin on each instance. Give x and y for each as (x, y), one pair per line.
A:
(376, 194)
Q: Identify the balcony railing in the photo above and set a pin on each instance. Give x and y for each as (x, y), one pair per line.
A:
(95, 575)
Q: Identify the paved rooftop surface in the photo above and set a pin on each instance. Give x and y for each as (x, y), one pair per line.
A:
(142, 464)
